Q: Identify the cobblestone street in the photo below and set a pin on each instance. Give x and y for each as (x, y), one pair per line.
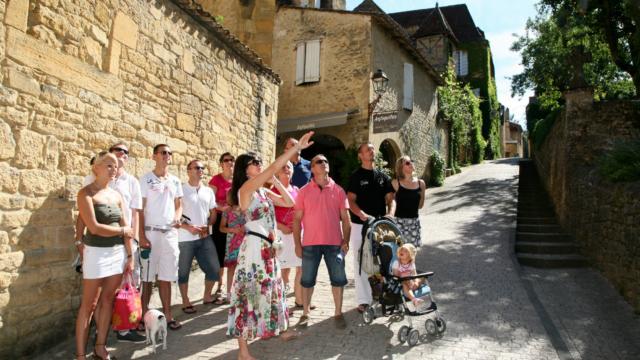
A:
(494, 308)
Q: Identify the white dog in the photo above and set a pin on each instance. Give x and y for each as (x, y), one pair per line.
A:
(155, 323)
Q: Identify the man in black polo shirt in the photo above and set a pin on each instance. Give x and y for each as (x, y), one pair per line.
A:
(370, 194)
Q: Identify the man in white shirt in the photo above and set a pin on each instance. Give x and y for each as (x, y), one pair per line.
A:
(198, 212)
(129, 188)
(160, 217)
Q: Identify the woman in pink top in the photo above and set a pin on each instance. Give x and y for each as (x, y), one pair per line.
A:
(221, 184)
(284, 222)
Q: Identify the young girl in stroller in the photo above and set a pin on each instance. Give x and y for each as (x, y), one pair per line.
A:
(405, 266)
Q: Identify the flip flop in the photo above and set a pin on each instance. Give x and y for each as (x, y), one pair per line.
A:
(301, 306)
(174, 324)
(189, 309)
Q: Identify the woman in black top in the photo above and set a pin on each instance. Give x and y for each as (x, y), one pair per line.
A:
(409, 199)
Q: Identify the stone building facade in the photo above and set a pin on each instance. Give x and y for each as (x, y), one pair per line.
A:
(602, 216)
(335, 102)
(77, 76)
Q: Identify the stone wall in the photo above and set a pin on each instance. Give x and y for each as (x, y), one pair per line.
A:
(250, 20)
(602, 216)
(77, 76)
(420, 134)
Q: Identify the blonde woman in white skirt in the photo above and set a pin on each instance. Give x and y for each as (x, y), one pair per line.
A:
(106, 253)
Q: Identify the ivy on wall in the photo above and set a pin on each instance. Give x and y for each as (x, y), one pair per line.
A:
(480, 77)
(461, 107)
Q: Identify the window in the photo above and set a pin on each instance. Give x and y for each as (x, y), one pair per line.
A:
(407, 102)
(462, 63)
(476, 92)
(308, 62)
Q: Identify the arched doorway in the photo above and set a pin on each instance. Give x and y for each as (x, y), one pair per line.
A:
(390, 153)
(332, 148)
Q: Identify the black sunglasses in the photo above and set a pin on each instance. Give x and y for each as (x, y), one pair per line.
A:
(408, 162)
(321, 161)
(119, 149)
(165, 152)
(197, 168)
(255, 162)
(229, 160)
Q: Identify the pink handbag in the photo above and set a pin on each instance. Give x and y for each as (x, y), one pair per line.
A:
(127, 306)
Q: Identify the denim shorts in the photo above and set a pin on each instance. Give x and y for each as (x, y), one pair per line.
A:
(311, 256)
(205, 252)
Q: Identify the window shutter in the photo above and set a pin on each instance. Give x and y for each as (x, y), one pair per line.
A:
(300, 63)
(408, 87)
(312, 61)
(464, 63)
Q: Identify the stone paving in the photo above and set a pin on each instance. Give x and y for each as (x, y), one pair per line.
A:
(494, 308)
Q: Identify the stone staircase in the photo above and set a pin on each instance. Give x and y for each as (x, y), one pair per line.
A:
(540, 241)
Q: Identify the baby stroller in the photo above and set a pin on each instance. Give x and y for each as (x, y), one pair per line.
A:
(382, 238)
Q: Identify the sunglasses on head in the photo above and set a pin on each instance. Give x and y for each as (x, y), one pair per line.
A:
(119, 149)
(321, 161)
(229, 160)
(165, 152)
(197, 168)
(255, 162)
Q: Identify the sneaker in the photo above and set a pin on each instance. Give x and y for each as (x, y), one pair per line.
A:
(131, 336)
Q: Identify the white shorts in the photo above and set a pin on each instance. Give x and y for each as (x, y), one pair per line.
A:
(288, 258)
(163, 259)
(102, 262)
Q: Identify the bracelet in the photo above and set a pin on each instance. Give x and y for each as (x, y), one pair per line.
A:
(78, 242)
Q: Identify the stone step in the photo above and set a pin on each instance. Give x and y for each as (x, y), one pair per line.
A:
(542, 237)
(546, 247)
(525, 220)
(539, 228)
(552, 261)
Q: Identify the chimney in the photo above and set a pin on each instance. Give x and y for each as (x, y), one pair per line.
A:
(333, 4)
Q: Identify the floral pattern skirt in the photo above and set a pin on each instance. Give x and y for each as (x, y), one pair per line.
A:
(258, 303)
(411, 230)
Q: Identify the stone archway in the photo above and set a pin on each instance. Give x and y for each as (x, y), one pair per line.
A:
(390, 153)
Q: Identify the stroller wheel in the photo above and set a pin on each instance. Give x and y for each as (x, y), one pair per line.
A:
(441, 325)
(368, 315)
(403, 334)
(414, 337)
(431, 327)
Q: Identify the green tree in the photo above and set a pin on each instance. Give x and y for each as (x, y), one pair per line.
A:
(550, 44)
(616, 22)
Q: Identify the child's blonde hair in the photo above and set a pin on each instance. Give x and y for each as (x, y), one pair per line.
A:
(410, 249)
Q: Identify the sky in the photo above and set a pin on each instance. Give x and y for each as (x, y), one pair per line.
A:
(499, 19)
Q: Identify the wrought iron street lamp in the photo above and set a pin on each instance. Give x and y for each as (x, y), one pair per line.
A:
(380, 82)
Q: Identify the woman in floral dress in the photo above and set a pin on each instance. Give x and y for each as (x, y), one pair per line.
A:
(233, 225)
(258, 303)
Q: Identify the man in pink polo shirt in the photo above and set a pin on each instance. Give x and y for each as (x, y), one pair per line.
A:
(320, 207)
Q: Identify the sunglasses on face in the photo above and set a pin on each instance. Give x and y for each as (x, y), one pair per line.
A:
(321, 161)
(229, 160)
(408, 162)
(255, 162)
(165, 152)
(197, 168)
(121, 150)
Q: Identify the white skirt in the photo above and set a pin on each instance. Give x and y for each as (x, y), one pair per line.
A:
(288, 258)
(102, 262)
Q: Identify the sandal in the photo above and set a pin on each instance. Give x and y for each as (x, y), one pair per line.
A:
(221, 301)
(174, 324)
(95, 353)
(189, 309)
